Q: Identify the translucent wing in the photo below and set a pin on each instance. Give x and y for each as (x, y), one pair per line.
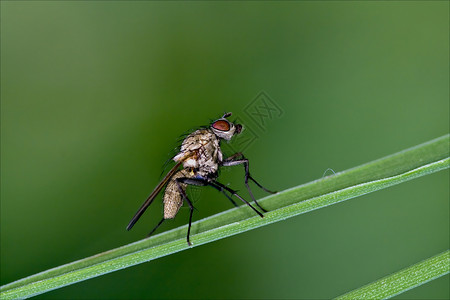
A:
(153, 195)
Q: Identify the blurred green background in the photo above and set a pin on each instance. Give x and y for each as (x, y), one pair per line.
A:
(94, 96)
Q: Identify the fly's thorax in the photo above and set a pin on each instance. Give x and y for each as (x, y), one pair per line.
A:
(200, 151)
(173, 199)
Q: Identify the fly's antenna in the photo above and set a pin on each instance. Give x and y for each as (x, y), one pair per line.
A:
(226, 114)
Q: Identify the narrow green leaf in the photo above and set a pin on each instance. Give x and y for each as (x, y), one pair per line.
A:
(418, 161)
(403, 280)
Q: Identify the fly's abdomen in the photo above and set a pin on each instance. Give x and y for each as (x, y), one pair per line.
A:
(173, 199)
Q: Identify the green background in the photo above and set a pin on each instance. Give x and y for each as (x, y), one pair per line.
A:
(94, 96)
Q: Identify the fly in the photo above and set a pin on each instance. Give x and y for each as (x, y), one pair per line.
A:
(200, 157)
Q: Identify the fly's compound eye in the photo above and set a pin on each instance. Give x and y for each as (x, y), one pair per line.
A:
(223, 129)
(221, 125)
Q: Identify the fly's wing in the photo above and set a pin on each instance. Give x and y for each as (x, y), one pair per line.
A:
(153, 195)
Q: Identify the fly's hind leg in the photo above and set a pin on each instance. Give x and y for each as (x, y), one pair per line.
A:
(191, 206)
(156, 227)
(238, 159)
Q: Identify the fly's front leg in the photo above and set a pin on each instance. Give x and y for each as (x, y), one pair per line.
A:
(235, 156)
(238, 159)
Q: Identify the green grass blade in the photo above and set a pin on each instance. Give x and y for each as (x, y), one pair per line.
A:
(418, 161)
(404, 280)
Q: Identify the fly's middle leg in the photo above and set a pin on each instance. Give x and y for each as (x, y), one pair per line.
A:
(237, 195)
(204, 182)
(221, 188)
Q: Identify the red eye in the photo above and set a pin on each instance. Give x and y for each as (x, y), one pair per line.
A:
(221, 125)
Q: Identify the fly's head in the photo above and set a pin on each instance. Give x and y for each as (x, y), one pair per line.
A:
(225, 129)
